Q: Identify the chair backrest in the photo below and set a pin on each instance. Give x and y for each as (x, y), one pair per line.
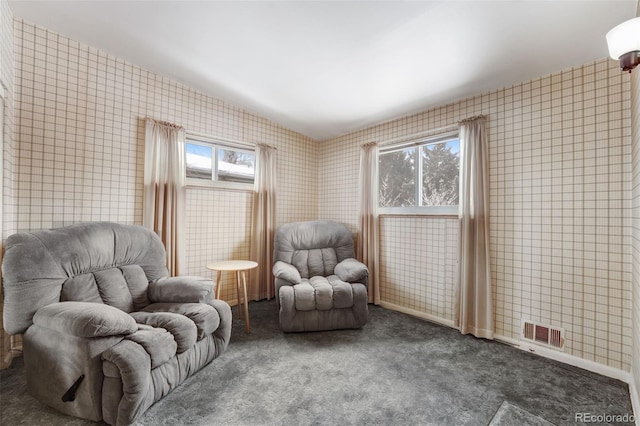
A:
(99, 262)
(314, 247)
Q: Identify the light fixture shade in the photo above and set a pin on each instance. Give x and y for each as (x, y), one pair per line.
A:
(624, 38)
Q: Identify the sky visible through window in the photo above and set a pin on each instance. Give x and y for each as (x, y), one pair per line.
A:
(219, 163)
(454, 146)
(199, 150)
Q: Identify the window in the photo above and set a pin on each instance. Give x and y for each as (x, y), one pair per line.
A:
(420, 177)
(211, 162)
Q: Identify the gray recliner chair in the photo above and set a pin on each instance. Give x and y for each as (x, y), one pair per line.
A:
(319, 285)
(106, 331)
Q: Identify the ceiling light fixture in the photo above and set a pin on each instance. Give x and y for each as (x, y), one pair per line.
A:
(624, 43)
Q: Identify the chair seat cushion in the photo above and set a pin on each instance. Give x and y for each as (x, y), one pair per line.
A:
(182, 329)
(205, 317)
(322, 293)
(157, 342)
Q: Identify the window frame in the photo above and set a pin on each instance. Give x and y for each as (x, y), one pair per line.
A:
(419, 144)
(215, 144)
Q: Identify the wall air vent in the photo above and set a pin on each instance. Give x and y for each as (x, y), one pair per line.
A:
(541, 334)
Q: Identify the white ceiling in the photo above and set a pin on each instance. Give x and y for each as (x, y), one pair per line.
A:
(325, 68)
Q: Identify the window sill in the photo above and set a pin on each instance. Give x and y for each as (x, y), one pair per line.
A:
(420, 211)
(420, 215)
(220, 186)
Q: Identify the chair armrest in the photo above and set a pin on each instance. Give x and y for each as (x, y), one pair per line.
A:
(84, 319)
(131, 365)
(351, 271)
(287, 272)
(182, 289)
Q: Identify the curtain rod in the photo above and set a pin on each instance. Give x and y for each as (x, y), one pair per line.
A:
(216, 138)
(164, 123)
(472, 119)
(266, 145)
(429, 132)
(240, 144)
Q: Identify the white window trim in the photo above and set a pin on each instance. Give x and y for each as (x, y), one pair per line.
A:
(204, 140)
(418, 210)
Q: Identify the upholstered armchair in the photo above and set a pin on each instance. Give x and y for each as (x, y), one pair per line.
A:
(106, 331)
(319, 285)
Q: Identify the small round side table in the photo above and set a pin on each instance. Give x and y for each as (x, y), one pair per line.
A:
(240, 267)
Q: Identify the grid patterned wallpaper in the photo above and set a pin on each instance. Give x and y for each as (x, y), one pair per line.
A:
(7, 77)
(635, 159)
(9, 150)
(429, 256)
(217, 233)
(560, 183)
(80, 132)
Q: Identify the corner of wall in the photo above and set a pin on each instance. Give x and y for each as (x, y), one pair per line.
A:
(634, 383)
(7, 217)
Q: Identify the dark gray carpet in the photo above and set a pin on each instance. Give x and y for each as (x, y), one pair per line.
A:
(510, 415)
(397, 370)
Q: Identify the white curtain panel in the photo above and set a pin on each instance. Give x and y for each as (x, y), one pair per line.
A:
(474, 308)
(368, 233)
(263, 223)
(165, 188)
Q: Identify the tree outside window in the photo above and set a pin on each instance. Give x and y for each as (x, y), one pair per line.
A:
(440, 174)
(397, 179)
(420, 177)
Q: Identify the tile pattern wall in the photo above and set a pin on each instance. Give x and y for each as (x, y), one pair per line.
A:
(635, 208)
(560, 174)
(80, 132)
(8, 215)
(424, 277)
(216, 233)
(7, 77)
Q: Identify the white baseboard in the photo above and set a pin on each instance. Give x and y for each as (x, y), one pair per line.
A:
(605, 370)
(595, 367)
(413, 312)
